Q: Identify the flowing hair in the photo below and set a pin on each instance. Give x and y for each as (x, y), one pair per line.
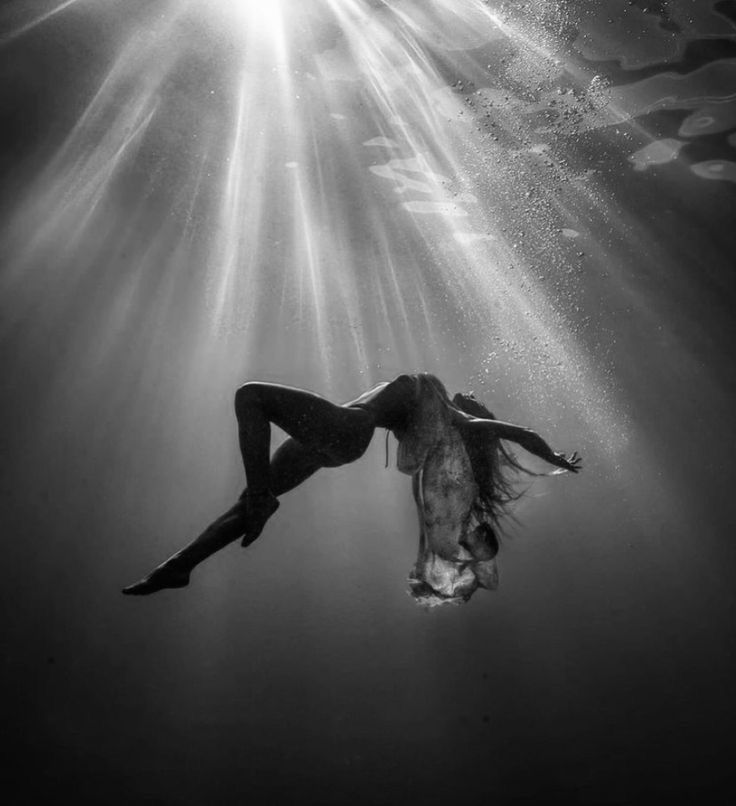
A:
(494, 466)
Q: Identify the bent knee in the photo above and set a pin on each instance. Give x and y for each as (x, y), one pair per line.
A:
(248, 394)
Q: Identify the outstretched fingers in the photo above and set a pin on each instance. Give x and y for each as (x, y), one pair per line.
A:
(574, 462)
(570, 463)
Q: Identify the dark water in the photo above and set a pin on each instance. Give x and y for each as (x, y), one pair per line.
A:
(537, 204)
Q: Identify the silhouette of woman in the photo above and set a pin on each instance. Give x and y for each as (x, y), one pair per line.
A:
(324, 434)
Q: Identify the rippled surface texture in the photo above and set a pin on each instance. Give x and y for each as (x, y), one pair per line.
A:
(533, 200)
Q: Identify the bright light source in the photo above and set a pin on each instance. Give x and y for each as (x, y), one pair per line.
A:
(259, 17)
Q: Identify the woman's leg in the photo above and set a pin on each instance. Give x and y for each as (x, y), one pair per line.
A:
(291, 465)
(319, 430)
(315, 423)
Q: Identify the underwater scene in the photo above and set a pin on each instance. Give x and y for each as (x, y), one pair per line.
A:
(523, 214)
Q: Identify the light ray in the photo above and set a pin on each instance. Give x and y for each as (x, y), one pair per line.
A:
(326, 193)
(26, 27)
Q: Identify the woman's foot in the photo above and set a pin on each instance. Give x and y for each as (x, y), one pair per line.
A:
(258, 509)
(165, 576)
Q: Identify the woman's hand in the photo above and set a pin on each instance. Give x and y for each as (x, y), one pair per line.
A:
(572, 463)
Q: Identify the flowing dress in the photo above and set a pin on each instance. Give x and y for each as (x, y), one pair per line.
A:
(433, 452)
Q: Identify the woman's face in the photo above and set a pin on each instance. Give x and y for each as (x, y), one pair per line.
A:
(468, 404)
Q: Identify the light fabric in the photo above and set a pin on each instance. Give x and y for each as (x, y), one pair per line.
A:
(433, 452)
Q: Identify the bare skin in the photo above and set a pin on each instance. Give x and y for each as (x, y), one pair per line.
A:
(321, 434)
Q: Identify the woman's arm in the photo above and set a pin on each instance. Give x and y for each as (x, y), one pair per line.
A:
(528, 439)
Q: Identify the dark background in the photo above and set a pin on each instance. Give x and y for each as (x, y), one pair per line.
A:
(193, 197)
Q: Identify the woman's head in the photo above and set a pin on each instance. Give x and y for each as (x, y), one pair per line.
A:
(467, 402)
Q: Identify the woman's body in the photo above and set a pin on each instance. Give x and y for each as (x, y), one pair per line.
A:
(321, 434)
(460, 488)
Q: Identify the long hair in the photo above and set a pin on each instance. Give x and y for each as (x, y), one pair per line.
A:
(435, 580)
(494, 467)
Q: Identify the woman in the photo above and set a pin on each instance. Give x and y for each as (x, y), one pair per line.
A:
(460, 488)
(323, 434)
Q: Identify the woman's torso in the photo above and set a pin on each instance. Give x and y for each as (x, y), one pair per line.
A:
(390, 402)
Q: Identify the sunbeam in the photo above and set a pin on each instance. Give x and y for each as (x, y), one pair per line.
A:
(532, 200)
(290, 166)
(325, 151)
